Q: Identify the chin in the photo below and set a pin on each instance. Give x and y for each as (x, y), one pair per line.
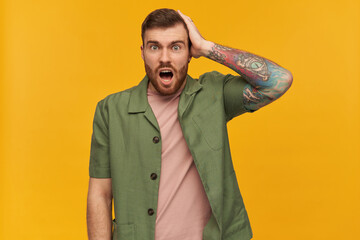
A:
(166, 91)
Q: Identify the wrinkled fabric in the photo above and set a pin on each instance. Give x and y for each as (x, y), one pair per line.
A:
(127, 145)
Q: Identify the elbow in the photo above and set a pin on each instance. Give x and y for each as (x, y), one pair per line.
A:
(289, 79)
(282, 86)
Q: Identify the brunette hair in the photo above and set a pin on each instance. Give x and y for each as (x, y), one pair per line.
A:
(163, 18)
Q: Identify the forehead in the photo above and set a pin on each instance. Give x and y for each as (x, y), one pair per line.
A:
(165, 35)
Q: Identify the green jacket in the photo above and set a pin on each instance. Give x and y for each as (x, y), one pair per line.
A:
(126, 146)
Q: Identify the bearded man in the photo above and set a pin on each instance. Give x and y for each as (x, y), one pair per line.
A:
(160, 150)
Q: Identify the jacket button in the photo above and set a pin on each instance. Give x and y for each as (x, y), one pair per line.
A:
(153, 176)
(150, 211)
(156, 139)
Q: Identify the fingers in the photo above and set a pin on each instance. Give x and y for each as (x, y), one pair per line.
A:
(197, 41)
(186, 18)
(190, 24)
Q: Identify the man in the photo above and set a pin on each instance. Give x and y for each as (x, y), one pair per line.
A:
(161, 150)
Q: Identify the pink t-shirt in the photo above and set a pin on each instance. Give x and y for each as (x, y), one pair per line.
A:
(183, 208)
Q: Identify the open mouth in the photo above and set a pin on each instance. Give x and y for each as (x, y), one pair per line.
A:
(166, 75)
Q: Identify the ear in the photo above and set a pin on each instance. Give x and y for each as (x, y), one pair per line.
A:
(142, 51)
(190, 58)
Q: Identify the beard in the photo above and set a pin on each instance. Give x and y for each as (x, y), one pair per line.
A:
(179, 75)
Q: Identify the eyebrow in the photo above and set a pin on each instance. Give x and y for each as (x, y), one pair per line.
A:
(156, 42)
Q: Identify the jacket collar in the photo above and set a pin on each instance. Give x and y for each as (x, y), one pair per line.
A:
(138, 96)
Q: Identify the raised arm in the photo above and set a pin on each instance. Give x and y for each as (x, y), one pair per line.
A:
(267, 81)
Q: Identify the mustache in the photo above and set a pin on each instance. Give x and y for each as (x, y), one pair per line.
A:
(166, 65)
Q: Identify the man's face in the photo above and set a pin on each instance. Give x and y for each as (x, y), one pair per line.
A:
(166, 57)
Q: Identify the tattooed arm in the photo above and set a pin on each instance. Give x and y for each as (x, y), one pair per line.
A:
(267, 81)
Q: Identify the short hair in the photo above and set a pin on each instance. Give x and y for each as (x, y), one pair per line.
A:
(163, 18)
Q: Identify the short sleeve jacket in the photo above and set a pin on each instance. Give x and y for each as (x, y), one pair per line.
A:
(126, 146)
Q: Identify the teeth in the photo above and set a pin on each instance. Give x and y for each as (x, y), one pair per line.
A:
(166, 71)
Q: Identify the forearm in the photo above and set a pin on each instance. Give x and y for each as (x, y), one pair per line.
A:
(267, 81)
(259, 72)
(99, 218)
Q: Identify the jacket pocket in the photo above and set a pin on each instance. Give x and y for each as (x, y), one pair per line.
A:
(123, 231)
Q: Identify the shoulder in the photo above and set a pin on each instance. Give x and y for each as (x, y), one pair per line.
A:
(214, 77)
(116, 98)
(212, 85)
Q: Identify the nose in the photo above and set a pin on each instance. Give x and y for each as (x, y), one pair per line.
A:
(165, 56)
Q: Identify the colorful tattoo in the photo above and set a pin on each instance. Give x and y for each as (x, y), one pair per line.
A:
(217, 56)
(254, 64)
(254, 99)
(267, 81)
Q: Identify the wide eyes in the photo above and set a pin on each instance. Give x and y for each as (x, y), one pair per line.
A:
(154, 47)
(174, 47)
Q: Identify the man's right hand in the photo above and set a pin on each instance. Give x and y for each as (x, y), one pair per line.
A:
(199, 46)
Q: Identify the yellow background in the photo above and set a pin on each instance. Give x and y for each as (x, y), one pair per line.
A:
(297, 160)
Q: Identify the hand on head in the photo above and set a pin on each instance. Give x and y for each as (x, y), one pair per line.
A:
(198, 43)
